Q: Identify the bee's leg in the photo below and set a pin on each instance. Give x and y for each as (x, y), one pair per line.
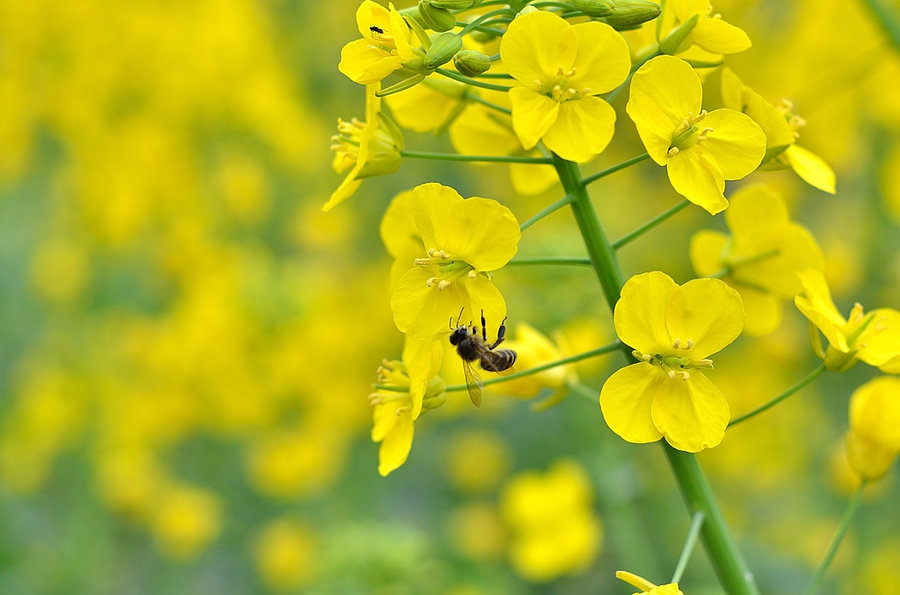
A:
(501, 333)
(483, 327)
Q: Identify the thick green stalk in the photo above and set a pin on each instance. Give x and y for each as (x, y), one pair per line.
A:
(723, 553)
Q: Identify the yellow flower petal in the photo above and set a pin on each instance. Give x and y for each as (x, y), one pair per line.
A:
(477, 131)
(603, 59)
(533, 114)
(880, 341)
(707, 250)
(816, 304)
(736, 142)
(692, 414)
(695, 175)
(396, 444)
(583, 128)
(398, 227)
(371, 14)
(365, 64)
(707, 312)
(663, 92)
(717, 36)
(427, 106)
(432, 204)
(640, 313)
(480, 231)
(755, 209)
(811, 168)
(529, 179)
(626, 400)
(875, 411)
(536, 45)
(423, 360)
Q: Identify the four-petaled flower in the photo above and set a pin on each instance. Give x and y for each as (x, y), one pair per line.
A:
(673, 330)
(561, 68)
(709, 31)
(762, 257)
(384, 48)
(873, 338)
(700, 150)
(462, 242)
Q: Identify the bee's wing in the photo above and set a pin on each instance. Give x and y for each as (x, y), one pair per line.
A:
(473, 382)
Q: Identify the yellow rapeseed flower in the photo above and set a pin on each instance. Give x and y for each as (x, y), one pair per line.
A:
(384, 47)
(709, 31)
(561, 68)
(762, 256)
(873, 338)
(463, 240)
(700, 150)
(646, 587)
(673, 329)
(415, 388)
(873, 440)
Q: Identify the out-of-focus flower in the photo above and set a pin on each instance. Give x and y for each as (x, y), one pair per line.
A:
(534, 349)
(411, 387)
(700, 150)
(384, 47)
(186, 519)
(553, 530)
(873, 440)
(673, 329)
(463, 241)
(762, 257)
(370, 148)
(646, 587)
(285, 552)
(295, 462)
(477, 461)
(873, 338)
(561, 68)
(781, 127)
(684, 23)
(476, 530)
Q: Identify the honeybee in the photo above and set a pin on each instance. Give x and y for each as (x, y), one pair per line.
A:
(472, 348)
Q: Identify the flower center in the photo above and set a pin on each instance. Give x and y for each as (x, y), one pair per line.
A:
(450, 269)
(560, 89)
(346, 142)
(674, 364)
(689, 133)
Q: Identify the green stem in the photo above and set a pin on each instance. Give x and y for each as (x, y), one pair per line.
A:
(546, 211)
(484, 158)
(494, 106)
(470, 81)
(550, 261)
(722, 550)
(650, 224)
(481, 19)
(852, 505)
(560, 362)
(614, 169)
(806, 380)
(689, 543)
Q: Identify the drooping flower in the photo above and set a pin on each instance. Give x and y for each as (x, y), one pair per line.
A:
(414, 387)
(673, 330)
(781, 125)
(873, 338)
(463, 241)
(686, 23)
(536, 349)
(561, 68)
(370, 148)
(646, 587)
(384, 47)
(761, 258)
(873, 440)
(700, 150)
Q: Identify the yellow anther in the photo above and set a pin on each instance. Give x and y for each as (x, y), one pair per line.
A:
(700, 116)
(430, 281)
(671, 374)
(646, 357)
(685, 375)
(443, 285)
(471, 274)
(690, 344)
(401, 410)
(672, 152)
(677, 343)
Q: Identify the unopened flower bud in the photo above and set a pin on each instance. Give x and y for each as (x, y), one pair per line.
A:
(452, 4)
(437, 19)
(471, 62)
(443, 48)
(631, 14)
(594, 8)
(672, 43)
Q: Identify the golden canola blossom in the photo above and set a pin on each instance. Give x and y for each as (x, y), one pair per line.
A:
(561, 68)
(673, 330)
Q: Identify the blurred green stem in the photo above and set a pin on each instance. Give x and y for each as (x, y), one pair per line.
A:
(723, 553)
(450, 74)
(614, 169)
(852, 505)
(888, 19)
(484, 158)
(806, 380)
(650, 224)
(552, 260)
(689, 542)
(546, 211)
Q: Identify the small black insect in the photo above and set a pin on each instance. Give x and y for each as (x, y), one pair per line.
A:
(375, 29)
(472, 348)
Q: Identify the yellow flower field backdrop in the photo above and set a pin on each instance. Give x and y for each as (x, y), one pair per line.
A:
(189, 343)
